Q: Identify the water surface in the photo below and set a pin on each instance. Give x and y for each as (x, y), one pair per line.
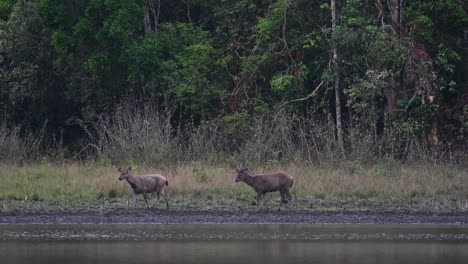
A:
(233, 244)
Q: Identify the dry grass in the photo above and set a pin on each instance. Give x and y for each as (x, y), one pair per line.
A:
(389, 185)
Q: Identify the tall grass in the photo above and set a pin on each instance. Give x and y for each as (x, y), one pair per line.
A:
(384, 186)
(19, 145)
(142, 135)
(199, 162)
(131, 134)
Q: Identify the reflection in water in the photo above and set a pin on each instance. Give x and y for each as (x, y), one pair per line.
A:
(233, 244)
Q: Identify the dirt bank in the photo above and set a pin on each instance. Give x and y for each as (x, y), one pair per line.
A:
(215, 217)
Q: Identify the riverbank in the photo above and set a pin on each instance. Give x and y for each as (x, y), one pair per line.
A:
(216, 217)
(387, 186)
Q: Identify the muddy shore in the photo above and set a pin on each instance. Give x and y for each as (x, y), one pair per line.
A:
(214, 217)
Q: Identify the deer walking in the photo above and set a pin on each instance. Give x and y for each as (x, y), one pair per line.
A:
(143, 184)
(268, 182)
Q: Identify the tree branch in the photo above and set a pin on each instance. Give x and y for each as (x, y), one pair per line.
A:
(302, 99)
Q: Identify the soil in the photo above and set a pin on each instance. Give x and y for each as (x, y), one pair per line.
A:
(220, 217)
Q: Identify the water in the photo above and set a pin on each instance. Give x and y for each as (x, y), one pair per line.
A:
(233, 244)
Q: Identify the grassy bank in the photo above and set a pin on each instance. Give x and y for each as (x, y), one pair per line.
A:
(384, 186)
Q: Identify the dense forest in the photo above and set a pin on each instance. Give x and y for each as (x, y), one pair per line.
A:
(273, 80)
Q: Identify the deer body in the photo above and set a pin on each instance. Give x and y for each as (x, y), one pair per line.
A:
(268, 182)
(144, 184)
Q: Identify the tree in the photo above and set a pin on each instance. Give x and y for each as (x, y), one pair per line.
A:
(335, 63)
(31, 89)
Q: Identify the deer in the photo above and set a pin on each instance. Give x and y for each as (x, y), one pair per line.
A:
(268, 182)
(144, 184)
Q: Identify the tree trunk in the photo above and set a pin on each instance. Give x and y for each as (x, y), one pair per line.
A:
(400, 10)
(156, 22)
(147, 20)
(339, 128)
(379, 4)
(155, 13)
(394, 7)
(151, 18)
(187, 3)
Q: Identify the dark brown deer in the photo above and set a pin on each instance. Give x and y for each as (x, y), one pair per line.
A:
(144, 184)
(268, 182)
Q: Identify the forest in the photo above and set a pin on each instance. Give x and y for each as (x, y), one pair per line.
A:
(233, 81)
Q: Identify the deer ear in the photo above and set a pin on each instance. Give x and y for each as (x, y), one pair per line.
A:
(120, 169)
(129, 168)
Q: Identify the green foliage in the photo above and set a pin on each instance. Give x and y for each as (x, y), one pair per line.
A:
(352, 13)
(62, 42)
(238, 125)
(98, 63)
(123, 20)
(385, 52)
(94, 48)
(234, 59)
(52, 12)
(407, 129)
(446, 15)
(6, 6)
(147, 53)
(31, 90)
(447, 59)
(145, 56)
(281, 83)
(190, 72)
(274, 20)
(452, 16)
(363, 98)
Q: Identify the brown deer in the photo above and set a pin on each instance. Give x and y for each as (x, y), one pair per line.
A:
(144, 184)
(268, 182)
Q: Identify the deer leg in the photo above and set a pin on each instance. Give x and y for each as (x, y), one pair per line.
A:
(283, 196)
(259, 197)
(265, 201)
(146, 201)
(165, 198)
(128, 200)
(282, 199)
(135, 199)
(288, 195)
(157, 199)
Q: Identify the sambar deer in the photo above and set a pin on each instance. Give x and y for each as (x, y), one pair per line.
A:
(143, 184)
(268, 182)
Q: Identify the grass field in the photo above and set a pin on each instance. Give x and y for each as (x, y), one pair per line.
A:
(385, 186)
